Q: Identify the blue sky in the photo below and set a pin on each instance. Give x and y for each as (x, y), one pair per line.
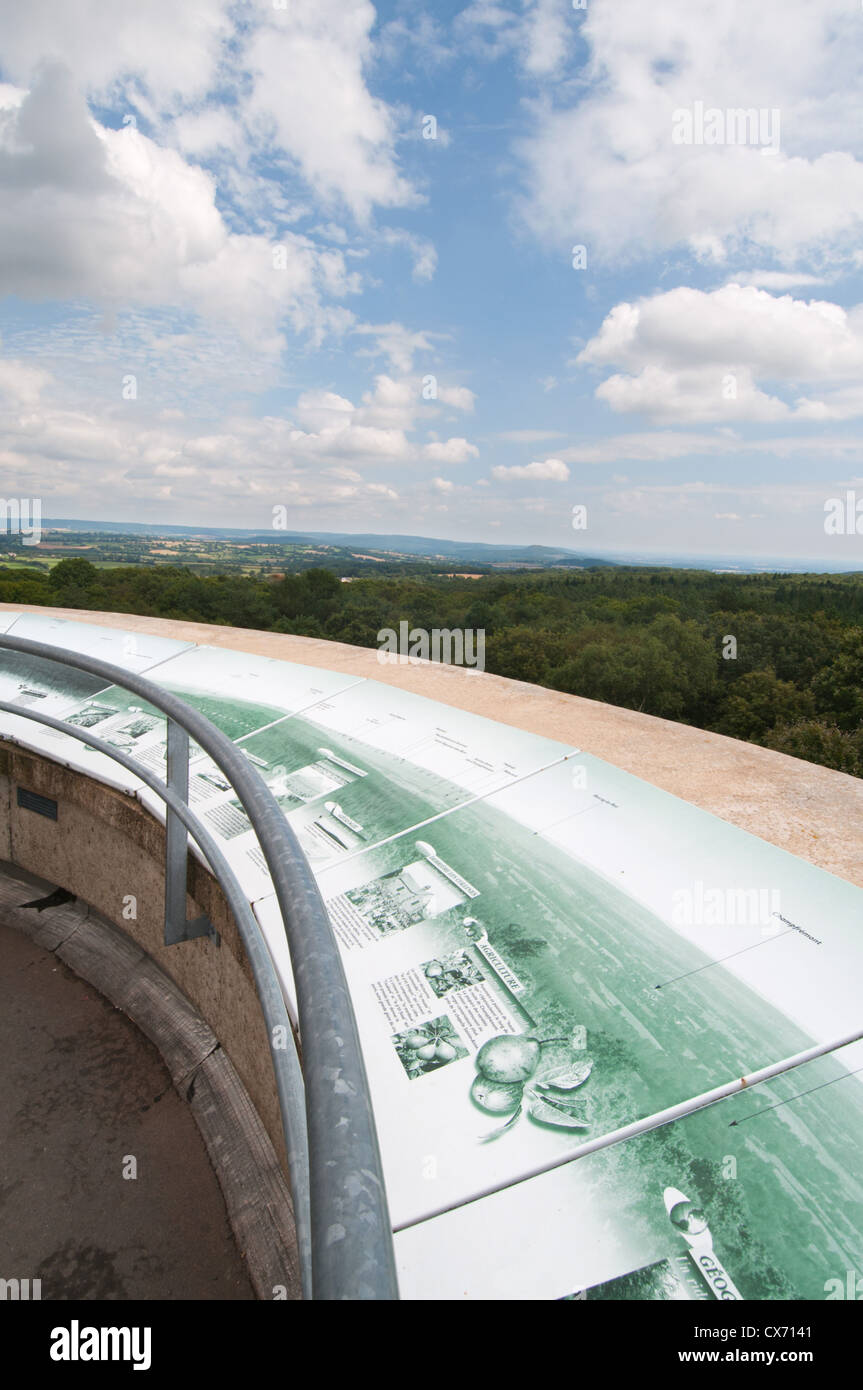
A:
(230, 261)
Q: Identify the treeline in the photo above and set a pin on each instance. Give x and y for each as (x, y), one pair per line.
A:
(774, 659)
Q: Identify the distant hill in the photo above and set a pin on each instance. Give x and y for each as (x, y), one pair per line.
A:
(418, 546)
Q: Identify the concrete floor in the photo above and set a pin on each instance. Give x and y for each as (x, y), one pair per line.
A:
(81, 1090)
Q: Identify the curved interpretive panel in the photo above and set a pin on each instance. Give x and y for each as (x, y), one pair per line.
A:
(542, 950)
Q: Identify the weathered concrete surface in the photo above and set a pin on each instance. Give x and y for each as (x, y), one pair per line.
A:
(245, 1163)
(81, 1090)
(808, 810)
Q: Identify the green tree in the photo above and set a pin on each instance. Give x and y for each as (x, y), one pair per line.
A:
(818, 741)
(523, 653)
(669, 670)
(77, 571)
(838, 688)
(758, 701)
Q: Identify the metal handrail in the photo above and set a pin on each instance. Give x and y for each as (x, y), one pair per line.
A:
(289, 1080)
(349, 1226)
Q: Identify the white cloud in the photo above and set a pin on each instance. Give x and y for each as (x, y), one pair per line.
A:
(459, 397)
(88, 212)
(693, 355)
(308, 89)
(393, 404)
(543, 470)
(395, 342)
(319, 410)
(548, 33)
(241, 469)
(602, 169)
(455, 450)
(21, 384)
(171, 49)
(209, 131)
(421, 250)
(539, 32)
(300, 74)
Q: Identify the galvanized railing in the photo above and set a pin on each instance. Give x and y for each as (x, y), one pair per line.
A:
(340, 1207)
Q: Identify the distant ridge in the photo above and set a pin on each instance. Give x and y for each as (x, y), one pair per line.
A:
(423, 546)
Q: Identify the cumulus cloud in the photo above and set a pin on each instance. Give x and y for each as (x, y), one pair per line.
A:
(601, 168)
(450, 451)
(692, 355)
(300, 74)
(308, 88)
(172, 50)
(542, 470)
(90, 212)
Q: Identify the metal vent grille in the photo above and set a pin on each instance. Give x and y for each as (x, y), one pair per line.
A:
(42, 805)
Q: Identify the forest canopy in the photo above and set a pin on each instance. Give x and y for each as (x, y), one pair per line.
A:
(773, 659)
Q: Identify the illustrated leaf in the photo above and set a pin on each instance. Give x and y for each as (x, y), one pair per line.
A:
(496, 1133)
(573, 1076)
(550, 1111)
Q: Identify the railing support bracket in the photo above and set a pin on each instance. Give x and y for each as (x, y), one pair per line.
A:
(179, 927)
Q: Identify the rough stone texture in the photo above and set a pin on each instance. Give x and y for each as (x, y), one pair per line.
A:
(810, 811)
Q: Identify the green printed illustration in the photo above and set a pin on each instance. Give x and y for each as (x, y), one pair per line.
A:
(516, 1076)
(455, 971)
(425, 1049)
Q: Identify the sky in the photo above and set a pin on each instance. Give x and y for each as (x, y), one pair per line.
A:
(450, 269)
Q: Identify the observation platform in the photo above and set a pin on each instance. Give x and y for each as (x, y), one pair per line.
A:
(557, 919)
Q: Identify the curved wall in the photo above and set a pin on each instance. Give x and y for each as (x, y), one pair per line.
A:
(105, 848)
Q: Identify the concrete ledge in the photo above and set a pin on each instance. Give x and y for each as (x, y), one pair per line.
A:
(256, 1194)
